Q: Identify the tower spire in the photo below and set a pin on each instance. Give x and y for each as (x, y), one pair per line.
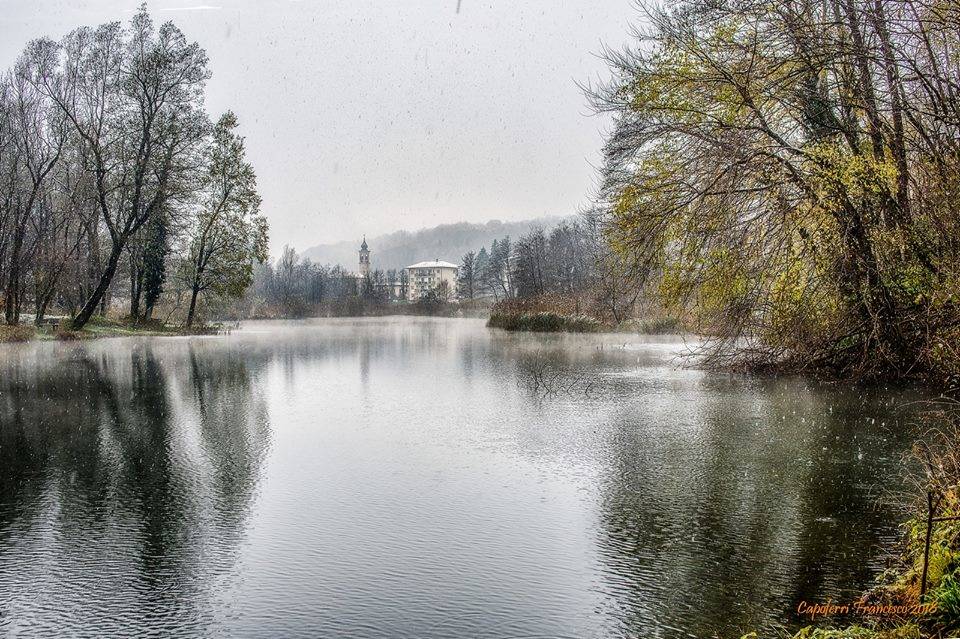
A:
(364, 258)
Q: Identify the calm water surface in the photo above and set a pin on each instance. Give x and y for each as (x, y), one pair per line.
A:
(426, 478)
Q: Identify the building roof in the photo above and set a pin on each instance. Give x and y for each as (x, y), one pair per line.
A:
(363, 247)
(433, 264)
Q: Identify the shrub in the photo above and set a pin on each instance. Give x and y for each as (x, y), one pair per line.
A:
(543, 322)
(18, 333)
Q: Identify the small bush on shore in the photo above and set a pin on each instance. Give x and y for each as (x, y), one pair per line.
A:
(543, 322)
(18, 333)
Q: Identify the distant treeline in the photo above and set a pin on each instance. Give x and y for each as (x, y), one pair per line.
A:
(292, 287)
(563, 260)
(445, 242)
(570, 265)
(568, 270)
(114, 182)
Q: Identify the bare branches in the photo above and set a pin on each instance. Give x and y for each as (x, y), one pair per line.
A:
(545, 379)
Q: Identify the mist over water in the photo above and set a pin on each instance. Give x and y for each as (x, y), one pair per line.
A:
(428, 478)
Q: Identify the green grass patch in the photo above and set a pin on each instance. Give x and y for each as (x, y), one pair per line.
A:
(543, 322)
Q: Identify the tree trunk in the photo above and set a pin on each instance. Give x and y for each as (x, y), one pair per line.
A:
(898, 148)
(11, 297)
(41, 311)
(98, 297)
(135, 288)
(868, 94)
(875, 303)
(193, 305)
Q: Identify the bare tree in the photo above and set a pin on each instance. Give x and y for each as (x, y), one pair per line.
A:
(38, 135)
(134, 100)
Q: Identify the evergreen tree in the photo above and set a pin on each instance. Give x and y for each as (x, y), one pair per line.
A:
(466, 279)
(154, 262)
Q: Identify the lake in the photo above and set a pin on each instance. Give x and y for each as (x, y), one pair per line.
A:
(415, 477)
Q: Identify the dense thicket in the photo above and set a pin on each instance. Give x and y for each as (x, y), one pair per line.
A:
(562, 260)
(110, 167)
(291, 287)
(789, 173)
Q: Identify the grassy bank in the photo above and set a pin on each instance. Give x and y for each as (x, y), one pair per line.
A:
(893, 609)
(99, 327)
(560, 313)
(19, 333)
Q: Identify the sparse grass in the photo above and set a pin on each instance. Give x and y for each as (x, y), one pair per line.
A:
(947, 596)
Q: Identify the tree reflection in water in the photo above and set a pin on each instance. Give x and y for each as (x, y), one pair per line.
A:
(119, 458)
(721, 515)
(420, 485)
(723, 501)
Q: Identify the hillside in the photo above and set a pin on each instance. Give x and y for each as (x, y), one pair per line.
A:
(446, 242)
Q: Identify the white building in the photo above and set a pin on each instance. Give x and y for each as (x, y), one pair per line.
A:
(424, 277)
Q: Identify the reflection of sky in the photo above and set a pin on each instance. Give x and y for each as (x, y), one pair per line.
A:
(416, 485)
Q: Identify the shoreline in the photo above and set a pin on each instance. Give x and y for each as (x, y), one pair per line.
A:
(98, 329)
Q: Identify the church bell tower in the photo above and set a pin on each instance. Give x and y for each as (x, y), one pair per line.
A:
(364, 258)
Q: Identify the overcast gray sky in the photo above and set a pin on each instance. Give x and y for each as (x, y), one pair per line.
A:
(367, 116)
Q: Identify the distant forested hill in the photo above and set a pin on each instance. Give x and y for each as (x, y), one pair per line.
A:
(446, 242)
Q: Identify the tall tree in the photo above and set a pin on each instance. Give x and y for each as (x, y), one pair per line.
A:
(134, 100)
(156, 247)
(38, 136)
(480, 268)
(529, 264)
(789, 171)
(228, 233)
(466, 278)
(496, 274)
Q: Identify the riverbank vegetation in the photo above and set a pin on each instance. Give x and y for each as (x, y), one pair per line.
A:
(115, 186)
(787, 174)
